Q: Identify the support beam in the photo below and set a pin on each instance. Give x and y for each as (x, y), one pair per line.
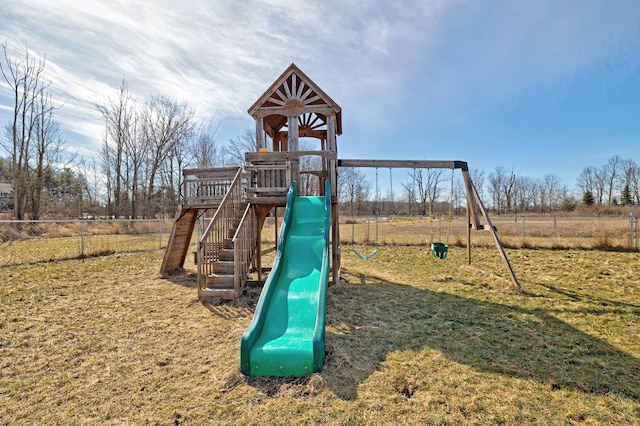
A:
(404, 164)
(261, 213)
(335, 244)
(492, 229)
(266, 157)
(292, 123)
(260, 142)
(468, 234)
(472, 206)
(293, 146)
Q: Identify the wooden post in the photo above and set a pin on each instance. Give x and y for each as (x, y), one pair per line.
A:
(259, 246)
(472, 207)
(325, 166)
(293, 146)
(332, 146)
(275, 223)
(496, 240)
(335, 244)
(468, 232)
(261, 214)
(260, 141)
(332, 174)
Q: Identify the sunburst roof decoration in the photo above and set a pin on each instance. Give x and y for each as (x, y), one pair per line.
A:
(294, 93)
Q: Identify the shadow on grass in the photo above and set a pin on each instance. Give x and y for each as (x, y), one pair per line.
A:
(489, 337)
(183, 277)
(580, 297)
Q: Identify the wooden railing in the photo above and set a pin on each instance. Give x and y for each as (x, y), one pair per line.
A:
(268, 177)
(205, 188)
(216, 234)
(244, 247)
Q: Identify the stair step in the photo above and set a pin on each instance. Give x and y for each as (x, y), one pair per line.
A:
(220, 280)
(226, 255)
(227, 243)
(222, 293)
(223, 267)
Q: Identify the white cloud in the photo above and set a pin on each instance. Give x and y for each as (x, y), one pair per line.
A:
(380, 60)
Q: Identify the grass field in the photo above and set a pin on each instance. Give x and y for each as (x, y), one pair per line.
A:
(410, 340)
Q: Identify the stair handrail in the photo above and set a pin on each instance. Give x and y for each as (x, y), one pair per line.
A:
(245, 242)
(212, 239)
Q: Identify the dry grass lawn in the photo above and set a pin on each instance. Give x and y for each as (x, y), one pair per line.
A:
(410, 340)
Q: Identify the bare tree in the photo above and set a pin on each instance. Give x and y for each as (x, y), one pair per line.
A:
(630, 180)
(635, 185)
(478, 179)
(425, 185)
(600, 182)
(553, 192)
(119, 115)
(353, 188)
(587, 180)
(523, 193)
(24, 76)
(607, 181)
(48, 144)
(172, 178)
(236, 148)
(135, 151)
(5, 170)
(166, 124)
(498, 181)
(509, 190)
(612, 173)
(459, 192)
(89, 172)
(204, 147)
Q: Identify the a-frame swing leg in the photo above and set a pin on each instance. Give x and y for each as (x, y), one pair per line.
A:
(496, 239)
(468, 236)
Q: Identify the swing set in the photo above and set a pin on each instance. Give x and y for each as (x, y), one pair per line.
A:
(439, 249)
(475, 209)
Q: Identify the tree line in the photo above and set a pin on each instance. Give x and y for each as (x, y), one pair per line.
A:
(137, 171)
(146, 143)
(436, 191)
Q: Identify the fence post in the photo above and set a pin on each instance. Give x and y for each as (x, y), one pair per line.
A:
(161, 220)
(82, 239)
(523, 230)
(631, 230)
(368, 237)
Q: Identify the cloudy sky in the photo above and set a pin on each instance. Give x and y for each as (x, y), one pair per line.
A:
(539, 87)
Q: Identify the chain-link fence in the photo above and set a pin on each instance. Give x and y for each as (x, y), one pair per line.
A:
(535, 231)
(48, 240)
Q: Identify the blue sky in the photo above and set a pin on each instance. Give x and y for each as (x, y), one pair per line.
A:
(540, 87)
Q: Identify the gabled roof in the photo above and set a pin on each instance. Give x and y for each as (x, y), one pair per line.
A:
(295, 90)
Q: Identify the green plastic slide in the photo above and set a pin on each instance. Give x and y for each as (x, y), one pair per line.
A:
(286, 336)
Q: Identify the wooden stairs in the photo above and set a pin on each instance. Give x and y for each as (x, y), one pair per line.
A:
(227, 248)
(221, 280)
(228, 245)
